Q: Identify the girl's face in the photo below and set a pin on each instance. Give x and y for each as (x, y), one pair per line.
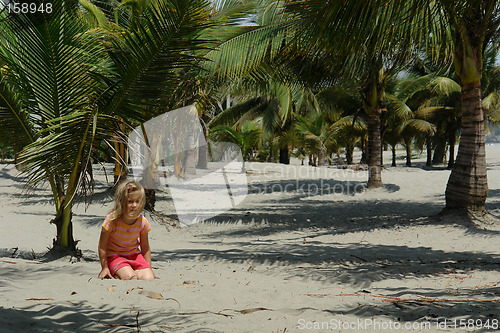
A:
(132, 208)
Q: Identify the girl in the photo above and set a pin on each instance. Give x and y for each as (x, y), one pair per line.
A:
(125, 230)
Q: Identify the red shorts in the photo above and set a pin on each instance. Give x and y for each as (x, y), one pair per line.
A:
(136, 261)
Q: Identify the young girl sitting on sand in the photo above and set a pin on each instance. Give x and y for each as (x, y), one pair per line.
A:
(123, 232)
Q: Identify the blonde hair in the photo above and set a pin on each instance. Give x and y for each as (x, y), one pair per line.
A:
(121, 197)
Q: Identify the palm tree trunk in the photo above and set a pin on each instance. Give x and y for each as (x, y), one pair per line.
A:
(429, 152)
(372, 105)
(189, 163)
(364, 157)
(451, 160)
(349, 152)
(321, 156)
(408, 152)
(63, 221)
(439, 152)
(468, 185)
(284, 155)
(270, 157)
(381, 154)
(394, 156)
(202, 150)
(374, 150)
(121, 157)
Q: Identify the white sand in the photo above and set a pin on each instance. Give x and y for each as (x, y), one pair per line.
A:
(290, 258)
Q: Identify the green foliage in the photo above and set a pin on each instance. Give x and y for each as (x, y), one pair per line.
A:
(66, 84)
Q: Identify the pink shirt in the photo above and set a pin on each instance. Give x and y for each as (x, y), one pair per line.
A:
(124, 238)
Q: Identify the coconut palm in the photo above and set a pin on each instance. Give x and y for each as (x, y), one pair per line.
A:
(64, 82)
(490, 84)
(247, 137)
(346, 113)
(403, 121)
(474, 25)
(317, 135)
(460, 29)
(370, 55)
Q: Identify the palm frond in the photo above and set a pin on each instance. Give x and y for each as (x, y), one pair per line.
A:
(445, 86)
(357, 123)
(244, 53)
(247, 110)
(421, 125)
(148, 59)
(17, 128)
(491, 106)
(429, 111)
(52, 61)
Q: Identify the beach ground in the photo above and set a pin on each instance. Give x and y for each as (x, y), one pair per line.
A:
(308, 250)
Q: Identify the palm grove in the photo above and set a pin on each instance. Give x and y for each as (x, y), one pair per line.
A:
(311, 79)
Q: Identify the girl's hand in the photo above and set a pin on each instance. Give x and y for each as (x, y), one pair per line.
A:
(105, 274)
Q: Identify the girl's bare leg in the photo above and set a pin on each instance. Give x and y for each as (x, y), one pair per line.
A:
(126, 273)
(144, 274)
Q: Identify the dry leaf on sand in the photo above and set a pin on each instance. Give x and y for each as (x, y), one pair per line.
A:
(151, 294)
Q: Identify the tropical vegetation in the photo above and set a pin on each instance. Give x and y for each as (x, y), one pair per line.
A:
(312, 79)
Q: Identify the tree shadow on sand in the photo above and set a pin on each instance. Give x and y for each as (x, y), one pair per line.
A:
(293, 228)
(333, 215)
(82, 317)
(358, 265)
(379, 273)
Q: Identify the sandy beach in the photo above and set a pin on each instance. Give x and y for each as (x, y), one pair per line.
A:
(308, 250)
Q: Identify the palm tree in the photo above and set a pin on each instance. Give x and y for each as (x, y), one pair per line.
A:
(61, 102)
(317, 135)
(404, 121)
(443, 109)
(247, 137)
(491, 86)
(473, 26)
(359, 36)
(461, 29)
(346, 113)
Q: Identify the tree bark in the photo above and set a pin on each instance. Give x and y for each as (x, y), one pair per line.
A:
(284, 155)
(451, 160)
(374, 149)
(408, 152)
(202, 152)
(364, 157)
(429, 152)
(439, 152)
(468, 185)
(321, 156)
(64, 236)
(150, 200)
(189, 162)
(349, 150)
(394, 156)
(270, 157)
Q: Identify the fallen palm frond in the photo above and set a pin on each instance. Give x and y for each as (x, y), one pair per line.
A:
(419, 299)
(220, 313)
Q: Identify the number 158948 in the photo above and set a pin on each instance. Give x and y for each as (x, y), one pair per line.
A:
(29, 7)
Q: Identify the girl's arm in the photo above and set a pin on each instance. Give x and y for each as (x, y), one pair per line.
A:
(145, 249)
(103, 254)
